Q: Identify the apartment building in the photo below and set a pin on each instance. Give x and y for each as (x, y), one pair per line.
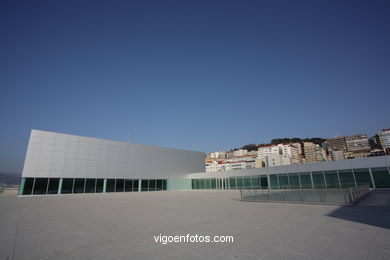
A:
(292, 150)
(357, 146)
(337, 148)
(384, 137)
(314, 152)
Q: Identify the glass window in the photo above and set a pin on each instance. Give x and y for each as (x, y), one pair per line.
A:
(128, 185)
(332, 180)
(90, 185)
(28, 186)
(202, 184)
(197, 184)
(119, 185)
(283, 181)
(264, 182)
(381, 177)
(99, 185)
(294, 180)
(213, 184)
(164, 184)
(110, 185)
(40, 185)
(274, 181)
(152, 185)
(362, 177)
(305, 179)
(255, 182)
(346, 178)
(79, 186)
(135, 185)
(318, 180)
(207, 183)
(232, 182)
(240, 182)
(158, 184)
(144, 185)
(67, 186)
(53, 186)
(247, 182)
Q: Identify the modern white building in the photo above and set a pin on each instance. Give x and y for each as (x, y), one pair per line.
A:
(67, 164)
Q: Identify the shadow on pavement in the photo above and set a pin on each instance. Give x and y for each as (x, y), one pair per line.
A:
(373, 210)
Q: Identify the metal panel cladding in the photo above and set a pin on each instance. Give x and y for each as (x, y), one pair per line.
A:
(51, 154)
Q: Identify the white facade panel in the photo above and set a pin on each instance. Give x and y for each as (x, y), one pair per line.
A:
(329, 166)
(52, 154)
(344, 164)
(362, 163)
(313, 167)
(378, 161)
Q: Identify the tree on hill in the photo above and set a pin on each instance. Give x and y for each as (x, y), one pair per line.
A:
(316, 140)
(250, 147)
(9, 178)
(284, 140)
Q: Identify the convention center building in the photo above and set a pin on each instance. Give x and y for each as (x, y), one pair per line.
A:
(59, 163)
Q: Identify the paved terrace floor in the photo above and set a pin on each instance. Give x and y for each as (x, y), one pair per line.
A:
(122, 226)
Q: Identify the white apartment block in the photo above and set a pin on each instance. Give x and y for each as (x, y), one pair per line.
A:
(384, 137)
(217, 155)
(221, 166)
(267, 149)
(337, 155)
(240, 153)
(292, 150)
(274, 159)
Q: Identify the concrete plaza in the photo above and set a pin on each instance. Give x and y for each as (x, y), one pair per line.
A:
(123, 226)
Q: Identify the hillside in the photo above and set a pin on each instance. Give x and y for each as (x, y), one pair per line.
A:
(10, 179)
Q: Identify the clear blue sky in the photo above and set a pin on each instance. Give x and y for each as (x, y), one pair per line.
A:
(198, 75)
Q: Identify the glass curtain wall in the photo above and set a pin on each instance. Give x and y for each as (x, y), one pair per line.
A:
(306, 180)
(381, 177)
(43, 186)
(303, 180)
